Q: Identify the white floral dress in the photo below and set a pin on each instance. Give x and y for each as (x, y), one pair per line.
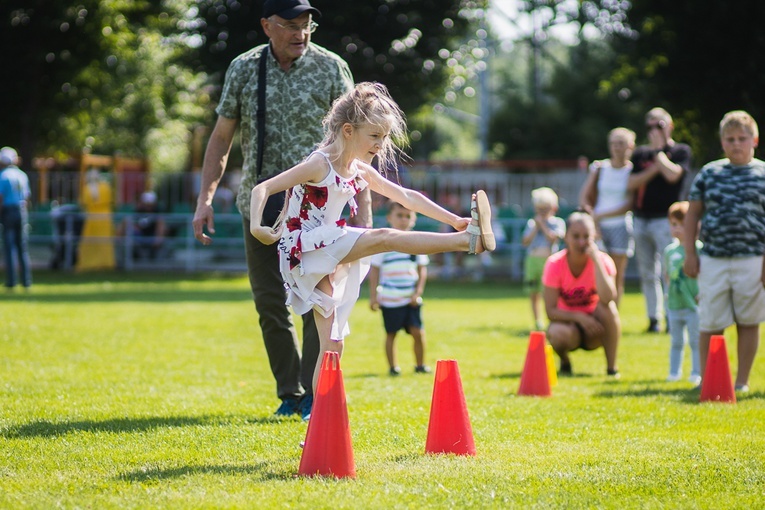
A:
(314, 241)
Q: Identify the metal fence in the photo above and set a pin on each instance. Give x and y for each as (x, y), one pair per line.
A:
(56, 242)
(56, 226)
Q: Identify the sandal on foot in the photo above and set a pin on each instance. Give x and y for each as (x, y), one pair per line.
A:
(480, 210)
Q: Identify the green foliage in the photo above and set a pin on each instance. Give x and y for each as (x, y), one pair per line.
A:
(698, 60)
(99, 75)
(395, 42)
(575, 113)
(151, 391)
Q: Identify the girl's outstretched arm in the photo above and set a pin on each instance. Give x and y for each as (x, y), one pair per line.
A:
(313, 169)
(409, 198)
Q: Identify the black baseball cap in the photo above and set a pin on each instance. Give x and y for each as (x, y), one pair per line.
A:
(288, 9)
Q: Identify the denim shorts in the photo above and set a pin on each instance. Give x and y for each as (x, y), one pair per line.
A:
(618, 239)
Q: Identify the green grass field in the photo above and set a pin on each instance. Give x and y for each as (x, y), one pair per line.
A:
(153, 391)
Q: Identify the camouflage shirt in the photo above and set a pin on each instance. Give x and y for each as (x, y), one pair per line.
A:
(733, 222)
(296, 102)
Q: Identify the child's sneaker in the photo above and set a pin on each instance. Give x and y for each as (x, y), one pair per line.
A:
(742, 388)
(422, 369)
(394, 371)
(695, 379)
(673, 377)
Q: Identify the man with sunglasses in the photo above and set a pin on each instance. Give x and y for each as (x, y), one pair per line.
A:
(301, 80)
(656, 181)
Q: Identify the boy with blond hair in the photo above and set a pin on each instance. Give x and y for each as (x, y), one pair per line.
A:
(541, 237)
(396, 283)
(728, 196)
(682, 299)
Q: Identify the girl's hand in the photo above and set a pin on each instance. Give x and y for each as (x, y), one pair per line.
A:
(266, 235)
(461, 224)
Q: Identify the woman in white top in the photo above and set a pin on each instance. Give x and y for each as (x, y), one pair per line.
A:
(605, 196)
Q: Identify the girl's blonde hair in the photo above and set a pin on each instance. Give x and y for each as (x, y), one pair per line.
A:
(368, 103)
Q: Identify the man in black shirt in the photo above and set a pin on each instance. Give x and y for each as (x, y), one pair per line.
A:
(656, 180)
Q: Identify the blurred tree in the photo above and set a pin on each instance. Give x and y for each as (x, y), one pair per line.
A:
(100, 75)
(401, 43)
(698, 60)
(561, 108)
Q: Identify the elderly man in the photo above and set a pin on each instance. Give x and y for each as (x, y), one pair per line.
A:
(297, 82)
(14, 199)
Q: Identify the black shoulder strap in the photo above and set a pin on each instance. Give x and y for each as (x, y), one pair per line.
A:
(261, 112)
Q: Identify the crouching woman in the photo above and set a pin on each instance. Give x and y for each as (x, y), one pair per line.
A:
(580, 296)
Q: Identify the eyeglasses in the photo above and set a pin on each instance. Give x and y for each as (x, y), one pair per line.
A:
(291, 27)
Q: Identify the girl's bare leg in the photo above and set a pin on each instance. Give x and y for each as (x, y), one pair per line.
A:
(324, 328)
(381, 240)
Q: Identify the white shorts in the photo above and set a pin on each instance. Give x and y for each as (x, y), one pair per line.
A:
(730, 291)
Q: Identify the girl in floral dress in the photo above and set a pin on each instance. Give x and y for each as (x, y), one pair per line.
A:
(323, 260)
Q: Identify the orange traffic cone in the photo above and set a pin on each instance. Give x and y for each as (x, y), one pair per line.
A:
(535, 379)
(717, 386)
(449, 429)
(552, 374)
(328, 450)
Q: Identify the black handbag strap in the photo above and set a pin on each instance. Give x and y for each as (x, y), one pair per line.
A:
(261, 112)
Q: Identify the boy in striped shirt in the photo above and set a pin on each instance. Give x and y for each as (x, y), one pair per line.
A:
(396, 283)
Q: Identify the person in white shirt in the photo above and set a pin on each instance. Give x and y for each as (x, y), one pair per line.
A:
(606, 197)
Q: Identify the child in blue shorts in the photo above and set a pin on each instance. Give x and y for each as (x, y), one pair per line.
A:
(396, 283)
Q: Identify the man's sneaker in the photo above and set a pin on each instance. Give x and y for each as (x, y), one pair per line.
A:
(653, 326)
(305, 406)
(565, 369)
(612, 372)
(288, 408)
(742, 387)
(422, 369)
(394, 371)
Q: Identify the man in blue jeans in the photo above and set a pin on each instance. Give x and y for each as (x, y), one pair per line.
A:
(656, 180)
(14, 197)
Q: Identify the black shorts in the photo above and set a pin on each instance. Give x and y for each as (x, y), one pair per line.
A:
(582, 338)
(401, 317)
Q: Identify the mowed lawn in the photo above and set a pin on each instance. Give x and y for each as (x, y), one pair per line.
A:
(153, 391)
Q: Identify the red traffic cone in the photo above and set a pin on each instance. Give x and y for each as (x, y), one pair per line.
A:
(449, 429)
(717, 386)
(328, 450)
(535, 380)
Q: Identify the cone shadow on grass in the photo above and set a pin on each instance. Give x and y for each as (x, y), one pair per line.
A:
(686, 396)
(259, 471)
(45, 428)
